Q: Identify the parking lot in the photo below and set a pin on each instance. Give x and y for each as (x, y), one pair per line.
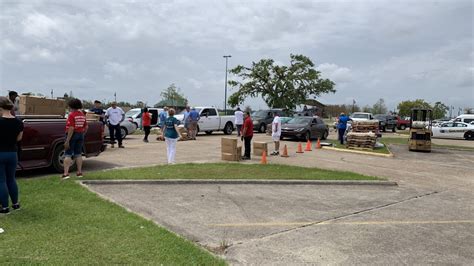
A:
(427, 218)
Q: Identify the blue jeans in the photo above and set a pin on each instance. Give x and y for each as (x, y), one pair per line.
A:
(75, 145)
(8, 186)
(341, 134)
(115, 133)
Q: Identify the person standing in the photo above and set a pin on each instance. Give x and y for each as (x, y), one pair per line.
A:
(10, 134)
(171, 134)
(15, 99)
(193, 123)
(115, 115)
(76, 128)
(186, 119)
(163, 115)
(247, 135)
(276, 133)
(146, 123)
(342, 126)
(239, 120)
(98, 110)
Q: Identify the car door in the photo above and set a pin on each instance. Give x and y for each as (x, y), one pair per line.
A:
(458, 130)
(315, 128)
(204, 123)
(154, 117)
(214, 120)
(445, 130)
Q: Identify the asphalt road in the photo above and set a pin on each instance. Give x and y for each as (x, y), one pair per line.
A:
(428, 218)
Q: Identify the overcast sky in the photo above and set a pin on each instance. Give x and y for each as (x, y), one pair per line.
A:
(396, 50)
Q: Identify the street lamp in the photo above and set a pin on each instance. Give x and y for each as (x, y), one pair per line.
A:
(225, 94)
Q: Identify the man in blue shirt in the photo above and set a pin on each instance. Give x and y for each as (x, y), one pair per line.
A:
(163, 115)
(193, 122)
(342, 126)
(98, 110)
(186, 118)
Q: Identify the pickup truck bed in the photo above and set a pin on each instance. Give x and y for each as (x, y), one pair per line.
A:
(43, 142)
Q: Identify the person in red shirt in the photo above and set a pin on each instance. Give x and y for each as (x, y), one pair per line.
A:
(146, 123)
(76, 127)
(247, 134)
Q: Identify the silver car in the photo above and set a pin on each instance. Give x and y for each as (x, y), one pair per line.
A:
(126, 128)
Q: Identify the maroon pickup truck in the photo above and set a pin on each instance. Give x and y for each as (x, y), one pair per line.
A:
(43, 142)
(402, 123)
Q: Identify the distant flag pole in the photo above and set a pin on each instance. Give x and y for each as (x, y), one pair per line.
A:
(353, 105)
(115, 96)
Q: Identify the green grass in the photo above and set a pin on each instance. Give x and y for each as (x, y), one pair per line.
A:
(228, 171)
(383, 150)
(63, 223)
(404, 141)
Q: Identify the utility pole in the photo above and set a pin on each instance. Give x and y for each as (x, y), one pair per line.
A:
(115, 97)
(52, 94)
(225, 94)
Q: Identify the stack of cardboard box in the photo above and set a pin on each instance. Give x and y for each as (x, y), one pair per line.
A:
(259, 148)
(184, 132)
(30, 105)
(230, 149)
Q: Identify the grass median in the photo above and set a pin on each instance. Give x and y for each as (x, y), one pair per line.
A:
(63, 223)
(228, 171)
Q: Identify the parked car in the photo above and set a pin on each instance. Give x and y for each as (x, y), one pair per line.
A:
(359, 116)
(304, 127)
(135, 116)
(402, 123)
(43, 142)
(466, 118)
(284, 120)
(211, 121)
(126, 128)
(387, 122)
(457, 130)
(262, 118)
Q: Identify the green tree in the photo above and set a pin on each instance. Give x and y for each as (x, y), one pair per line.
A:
(172, 96)
(379, 107)
(439, 110)
(367, 109)
(404, 108)
(279, 86)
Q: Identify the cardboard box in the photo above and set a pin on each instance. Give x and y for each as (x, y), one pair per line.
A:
(91, 116)
(228, 145)
(232, 157)
(30, 105)
(259, 147)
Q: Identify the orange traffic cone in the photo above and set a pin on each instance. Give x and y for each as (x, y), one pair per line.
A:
(318, 144)
(285, 152)
(264, 158)
(308, 146)
(300, 148)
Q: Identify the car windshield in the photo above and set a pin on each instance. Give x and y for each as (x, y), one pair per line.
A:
(366, 116)
(260, 113)
(131, 113)
(300, 120)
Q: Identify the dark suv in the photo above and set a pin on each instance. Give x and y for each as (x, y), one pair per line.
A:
(387, 122)
(262, 118)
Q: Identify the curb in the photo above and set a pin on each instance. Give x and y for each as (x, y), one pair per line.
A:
(238, 182)
(361, 152)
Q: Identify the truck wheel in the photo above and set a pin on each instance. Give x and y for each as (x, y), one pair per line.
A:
(394, 129)
(123, 132)
(262, 128)
(58, 159)
(469, 135)
(228, 128)
(325, 135)
(208, 132)
(384, 129)
(402, 127)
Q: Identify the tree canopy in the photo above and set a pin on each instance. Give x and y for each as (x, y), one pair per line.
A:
(439, 110)
(379, 107)
(404, 108)
(279, 86)
(172, 96)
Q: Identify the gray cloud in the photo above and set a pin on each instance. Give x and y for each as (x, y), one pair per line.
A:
(371, 49)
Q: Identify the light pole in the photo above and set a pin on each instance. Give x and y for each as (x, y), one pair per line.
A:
(225, 94)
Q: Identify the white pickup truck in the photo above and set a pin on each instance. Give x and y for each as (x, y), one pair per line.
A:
(211, 121)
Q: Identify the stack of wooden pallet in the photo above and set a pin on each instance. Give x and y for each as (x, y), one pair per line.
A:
(363, 135)
(361, 140)
(365, 126)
